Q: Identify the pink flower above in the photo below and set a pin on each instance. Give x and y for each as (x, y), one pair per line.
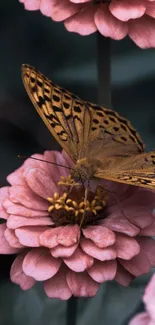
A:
(42, 225)
(147, 317)
(114, 19)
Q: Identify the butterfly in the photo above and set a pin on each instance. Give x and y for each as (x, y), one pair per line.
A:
(100, 142)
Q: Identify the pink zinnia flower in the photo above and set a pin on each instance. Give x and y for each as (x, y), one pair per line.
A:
(112, 18)
(41, 224)
(148, 317)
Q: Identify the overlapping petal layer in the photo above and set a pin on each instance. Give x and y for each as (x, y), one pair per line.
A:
(115, 18)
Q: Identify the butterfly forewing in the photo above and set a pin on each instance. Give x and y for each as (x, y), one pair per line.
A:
(49, 100)
(113, 131)
(86, 130)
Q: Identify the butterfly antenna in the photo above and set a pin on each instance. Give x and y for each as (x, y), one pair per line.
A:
(49, 162)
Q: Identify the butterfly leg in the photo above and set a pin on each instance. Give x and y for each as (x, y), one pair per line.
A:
(67, 182)
(85, 204)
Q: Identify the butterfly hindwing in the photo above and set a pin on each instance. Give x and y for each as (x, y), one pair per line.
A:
(136, 170)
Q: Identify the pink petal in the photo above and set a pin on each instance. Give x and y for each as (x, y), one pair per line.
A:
(150, 9)
(62, 251)
(58, 158)
(103, 271)
(39, 264)
(138, 265)
(140, 197)
(100, 235)
(12, 239)
(5, 248)
(147, 246)
(4, 214)
(40, 183)
(31, 4)
(80, 1)
(128, 9)
(49, 237)
(83, 21)
(46, 7)
(81, 284)
(101, 254)
(121, 225)
(141, 319)
(141, 31)
(14, 221)
(4, 193)
(79, 261)
(68, 160)
(20, 210)
(69, 235)
(149, 297)
(18, 276)
(29, 236)
(17, 178)
(123, 276)
(24, 196)
(57, 286)
(148, 231)
(108, 25)
(140, 218)
(118, 192)
(50, 156)
(126, 247)
(7, 204)
(63, 9)
(40, 163)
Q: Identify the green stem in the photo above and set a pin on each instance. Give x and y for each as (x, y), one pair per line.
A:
(104, 70)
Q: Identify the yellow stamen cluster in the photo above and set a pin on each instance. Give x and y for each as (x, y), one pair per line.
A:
(67, 181)
(62, 202)
(57, 202)
(72, 206)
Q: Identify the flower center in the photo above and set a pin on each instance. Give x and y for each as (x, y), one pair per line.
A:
(72, 206)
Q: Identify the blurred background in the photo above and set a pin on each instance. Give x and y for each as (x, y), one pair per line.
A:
(71, 61)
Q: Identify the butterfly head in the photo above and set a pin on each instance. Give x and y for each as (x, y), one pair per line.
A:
(85, 169)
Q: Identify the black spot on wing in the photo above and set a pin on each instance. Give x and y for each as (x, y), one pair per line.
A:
(56, 98)
(56, 108)
(115, 128)
(47, 98)
(77, 109)
(34, 89)
(46, 90)
(124, 139)
(96, 121)
(39, 83)
(41, 101)
(32, 79)
(66, 105)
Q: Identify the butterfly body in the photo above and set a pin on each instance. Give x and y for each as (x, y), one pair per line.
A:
(101, 143)
(85, 170)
